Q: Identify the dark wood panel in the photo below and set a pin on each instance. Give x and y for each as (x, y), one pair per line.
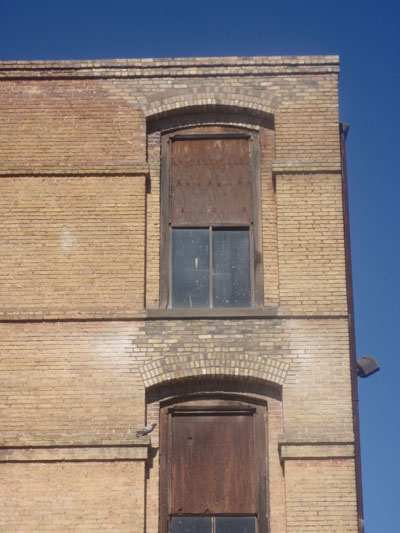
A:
(210, 181)
(212, 464)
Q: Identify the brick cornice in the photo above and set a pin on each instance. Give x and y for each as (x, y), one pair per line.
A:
(177, 67)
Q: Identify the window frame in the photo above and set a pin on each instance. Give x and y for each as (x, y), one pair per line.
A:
(218, 404)
(256, 270)
(211, 256)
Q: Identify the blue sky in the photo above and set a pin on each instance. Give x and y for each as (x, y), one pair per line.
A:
(366, 35)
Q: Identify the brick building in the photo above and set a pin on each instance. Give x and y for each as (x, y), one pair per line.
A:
(174, 251)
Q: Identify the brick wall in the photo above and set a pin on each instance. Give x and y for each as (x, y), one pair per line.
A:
(72, 496)
(74, 124)
(71, 247)
(86, 355)
(311, 244)
(70, 383)
(320, 496)
(82, 383)
(306, 124)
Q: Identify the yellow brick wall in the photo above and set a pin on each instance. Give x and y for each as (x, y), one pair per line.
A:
(317, 393)
(80, 248)
(307, 121)
(268, 218)
(320, 496)
(153, 226)
(276, 479)
(312, 277)
(71, 246)
(70, 383)
(79, 497)
(48, 124)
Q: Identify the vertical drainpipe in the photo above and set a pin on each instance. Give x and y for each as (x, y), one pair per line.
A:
(344, 128)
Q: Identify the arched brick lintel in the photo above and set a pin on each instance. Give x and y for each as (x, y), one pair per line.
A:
(253, 102)
(168, 369)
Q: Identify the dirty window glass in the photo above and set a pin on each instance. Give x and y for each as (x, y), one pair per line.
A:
(190, 267)
(217, 524)
(223, 281)
(189, 524)
(235, 524)
(231, 267)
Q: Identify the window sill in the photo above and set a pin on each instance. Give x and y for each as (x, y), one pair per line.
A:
(223, 312)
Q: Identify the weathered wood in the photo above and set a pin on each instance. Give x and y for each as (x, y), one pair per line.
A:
(218, 170)
(210, 181)
(164, 234)
(212, 464)
(213, 458)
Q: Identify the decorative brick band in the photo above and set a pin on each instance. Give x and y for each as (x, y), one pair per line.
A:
(324, 450)
(60, 171)
(167, 369)
(254, 101)
(136, 452)
(302, 167)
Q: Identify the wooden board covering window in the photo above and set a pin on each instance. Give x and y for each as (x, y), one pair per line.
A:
(212, 464)
(210, 177)
(210, 181)
(213, 460)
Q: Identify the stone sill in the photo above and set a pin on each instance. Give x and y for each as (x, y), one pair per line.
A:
(224, 312)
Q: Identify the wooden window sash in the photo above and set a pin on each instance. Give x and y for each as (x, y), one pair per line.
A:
(254, 226)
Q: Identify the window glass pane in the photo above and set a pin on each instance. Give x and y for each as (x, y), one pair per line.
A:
(191, 524)
(231, 267)
(235, 524)
(190, 267)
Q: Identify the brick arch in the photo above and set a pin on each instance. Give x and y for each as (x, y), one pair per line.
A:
(255, 102)
(249, 367)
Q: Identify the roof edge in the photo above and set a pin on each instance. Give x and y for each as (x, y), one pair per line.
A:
(180, 62)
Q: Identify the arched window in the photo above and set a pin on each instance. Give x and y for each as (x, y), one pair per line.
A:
(211, 241)
(213, 466)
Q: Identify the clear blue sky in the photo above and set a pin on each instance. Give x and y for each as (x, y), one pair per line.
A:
(366, 35)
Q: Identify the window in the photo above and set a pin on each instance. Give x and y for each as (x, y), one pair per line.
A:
(213, 467)
(210, 235)
(211, 267)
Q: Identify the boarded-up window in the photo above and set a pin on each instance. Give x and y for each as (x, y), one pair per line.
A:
(213, 468)
(210, 181)
(210, 217)
(212, 465)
